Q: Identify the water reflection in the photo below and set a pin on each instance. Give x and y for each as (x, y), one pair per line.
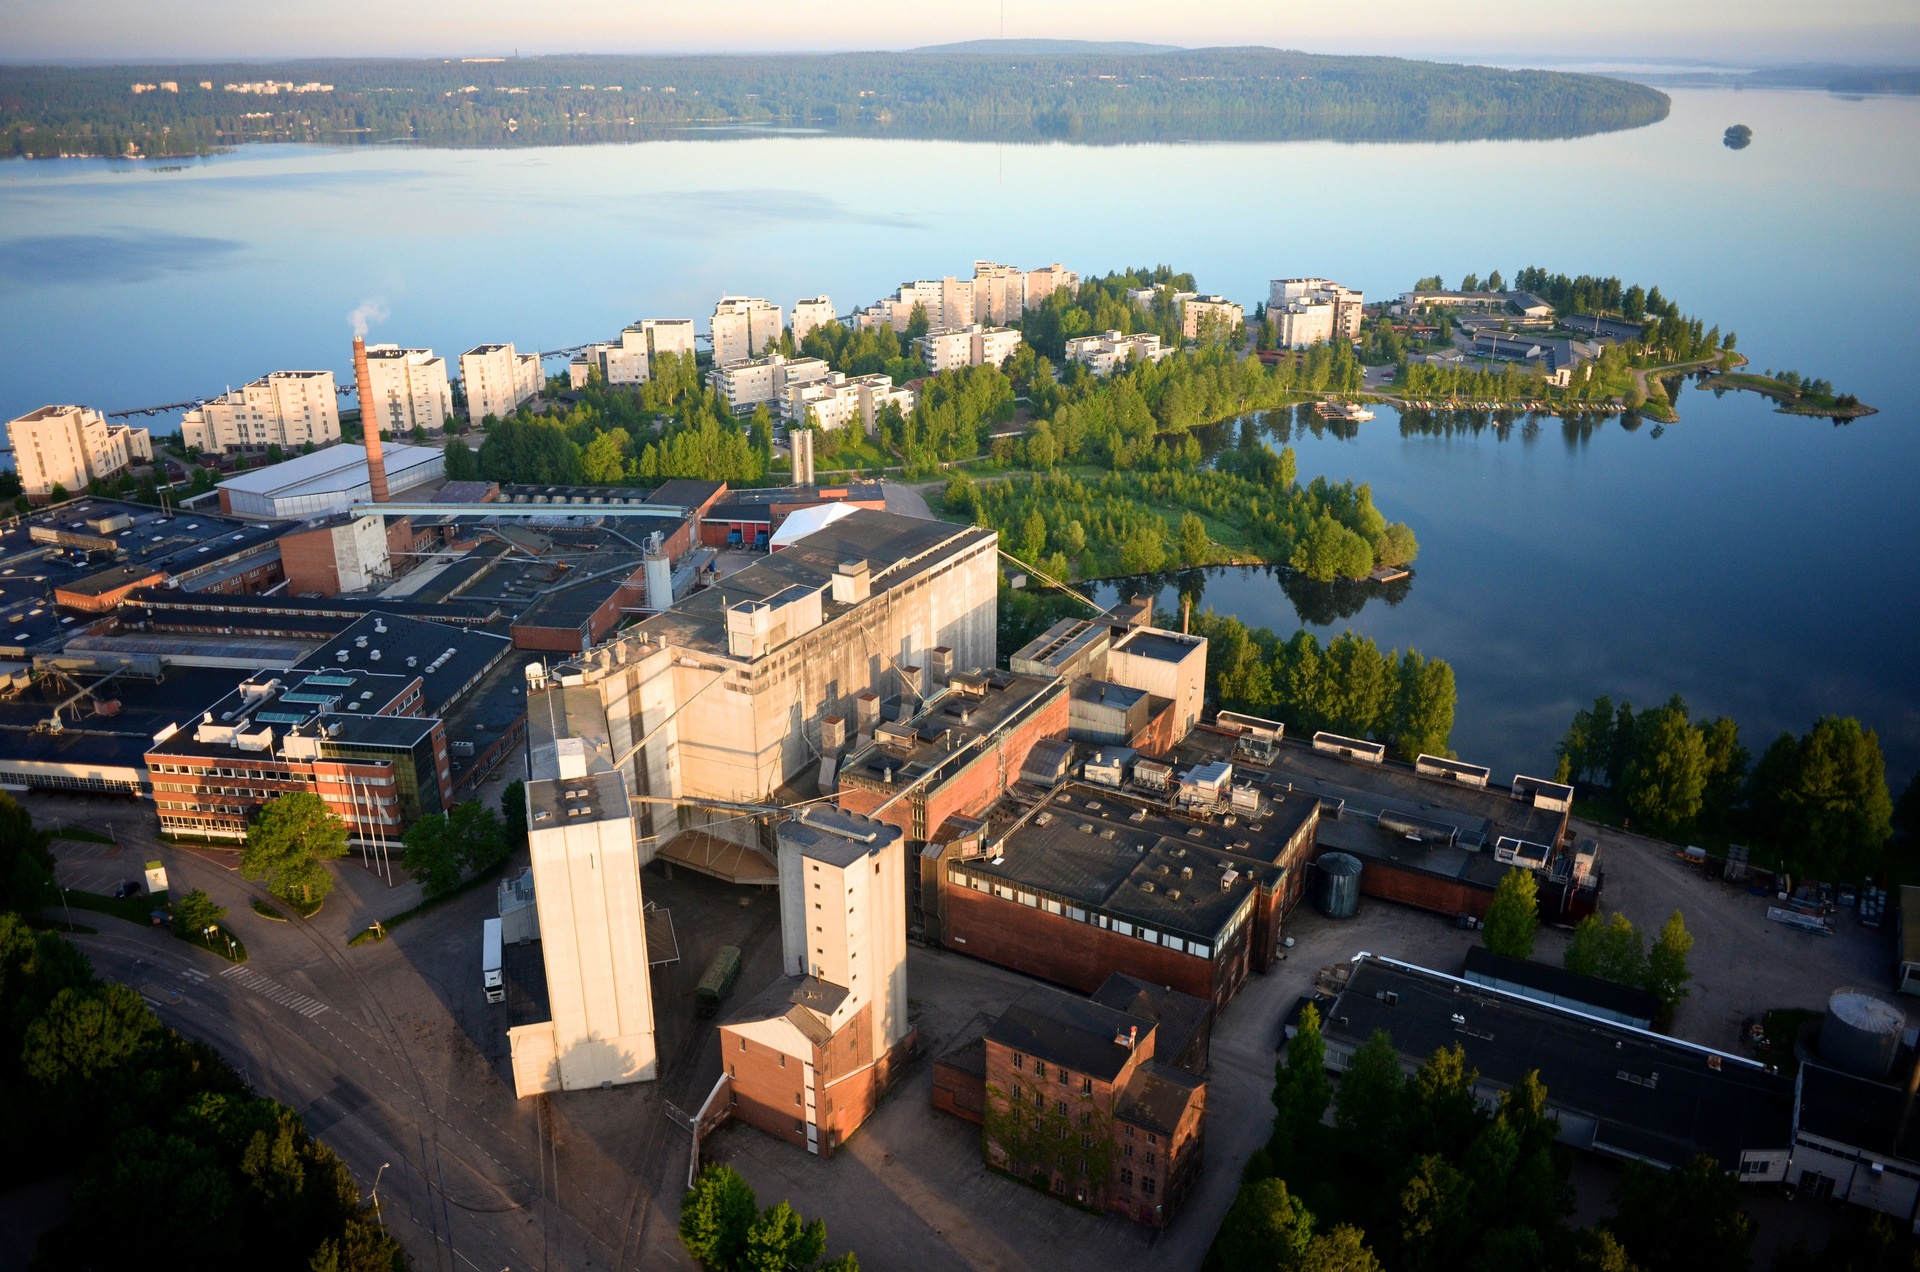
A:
(1314, 604)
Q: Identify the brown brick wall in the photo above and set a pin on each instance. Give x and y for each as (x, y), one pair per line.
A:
(765, 1095)
(1078, 955)
(1423, 891)
(960, 1093)
(307, 558)
(101, 602)
(975, 787)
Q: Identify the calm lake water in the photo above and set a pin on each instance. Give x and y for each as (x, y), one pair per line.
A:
(1762, 565)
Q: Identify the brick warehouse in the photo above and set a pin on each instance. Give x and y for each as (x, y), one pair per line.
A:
(1091, 881)
(1076, 1099)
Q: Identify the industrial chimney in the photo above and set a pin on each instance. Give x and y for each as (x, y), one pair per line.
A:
(369, 422)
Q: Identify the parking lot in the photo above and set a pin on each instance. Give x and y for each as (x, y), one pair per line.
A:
(101, 868)
(1742, 963)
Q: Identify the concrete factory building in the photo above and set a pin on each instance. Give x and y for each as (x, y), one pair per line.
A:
(732, 688)
(326, 481)
(598, 1024)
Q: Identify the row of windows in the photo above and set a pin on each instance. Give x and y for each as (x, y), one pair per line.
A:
(258, 775)
(1124, 927)
(1063, 1075)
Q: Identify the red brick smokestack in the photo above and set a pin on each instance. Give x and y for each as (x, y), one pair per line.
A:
(369, 422)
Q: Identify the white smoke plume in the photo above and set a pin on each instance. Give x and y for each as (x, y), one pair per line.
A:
(374, 310)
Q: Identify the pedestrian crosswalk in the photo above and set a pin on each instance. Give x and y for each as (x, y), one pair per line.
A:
(193, 976)
(274, 991)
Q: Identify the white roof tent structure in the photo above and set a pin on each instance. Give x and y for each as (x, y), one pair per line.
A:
(806, 521)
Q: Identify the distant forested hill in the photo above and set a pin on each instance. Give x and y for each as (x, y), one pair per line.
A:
(1201, 94)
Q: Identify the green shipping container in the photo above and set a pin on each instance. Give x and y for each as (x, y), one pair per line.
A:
(719, 978)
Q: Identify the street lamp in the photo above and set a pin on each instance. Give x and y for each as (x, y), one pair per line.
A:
(67, 908)
(376, 1194)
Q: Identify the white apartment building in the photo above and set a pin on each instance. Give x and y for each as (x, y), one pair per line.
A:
(70, 446)
(1302, 323)
(1043, 282)
(631, 359)
(999, 293)
(808, 314)
(1142, 297)
(1346, 303)
(996, 294)
(286, 408)
(836, 401)
(1110, 350)
(750, 382)
(743, 327)
(668, 335)
(497, 379)
(410, 389)
(945, 348)
(1195, 311)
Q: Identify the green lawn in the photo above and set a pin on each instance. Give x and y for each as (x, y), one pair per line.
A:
(135, 909)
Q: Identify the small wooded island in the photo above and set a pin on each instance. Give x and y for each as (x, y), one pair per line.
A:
(1557, 345)
(1738, 137)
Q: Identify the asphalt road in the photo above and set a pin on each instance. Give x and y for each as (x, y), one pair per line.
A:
(391, 1055)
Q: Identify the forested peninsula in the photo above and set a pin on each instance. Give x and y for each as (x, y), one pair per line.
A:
(1058, 92)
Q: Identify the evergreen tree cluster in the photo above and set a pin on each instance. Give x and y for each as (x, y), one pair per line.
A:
(1119, 523)
(1347, 686)
(725, 1230)
(172, 1156)
(1819, 801)
(1417, 1173)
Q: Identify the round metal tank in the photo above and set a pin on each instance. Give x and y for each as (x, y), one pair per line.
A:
(1336, 890)
(1861, 1033)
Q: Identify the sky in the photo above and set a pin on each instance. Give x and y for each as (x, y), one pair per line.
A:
(1724, 31)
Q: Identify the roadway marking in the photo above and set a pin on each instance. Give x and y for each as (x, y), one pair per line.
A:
(273, 991)
(193, 974)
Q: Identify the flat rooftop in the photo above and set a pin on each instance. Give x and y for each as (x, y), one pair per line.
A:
(448, 660)
(1857, 1112)
(1652, 1097)
(119, 740)
(936, 736)
(1164, 646)
(1097, 848)
(308, 700)
(895, 548)
(268, 615)
(1480, 815)
(90, 560)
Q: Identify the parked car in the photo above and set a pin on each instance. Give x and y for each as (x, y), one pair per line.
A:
(131, 888)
